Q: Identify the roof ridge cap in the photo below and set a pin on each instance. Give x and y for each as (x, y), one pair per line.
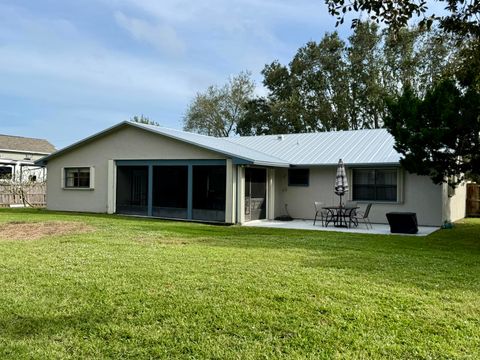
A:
(309, 133)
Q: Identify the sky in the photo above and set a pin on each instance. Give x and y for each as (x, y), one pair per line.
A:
(71, 68)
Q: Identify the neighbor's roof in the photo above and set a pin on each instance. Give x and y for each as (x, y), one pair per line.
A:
(354, 147)
(357, 147)
(25, 144)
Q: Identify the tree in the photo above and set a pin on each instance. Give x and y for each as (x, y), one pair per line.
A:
(449, 151)
(438, 135)
(320, 77)
(337, 85)
(365, 60)
(218, 110)
(310, 94)
(263, 117)
(143, 120)
(461, 18)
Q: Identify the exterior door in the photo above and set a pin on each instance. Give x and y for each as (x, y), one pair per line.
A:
(255, 194)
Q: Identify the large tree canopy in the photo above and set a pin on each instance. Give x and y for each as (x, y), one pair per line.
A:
(461, 15)
(437, 126)
(218, 110)
(339, 85)
(438, 135)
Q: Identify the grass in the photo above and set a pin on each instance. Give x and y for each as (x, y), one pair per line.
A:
(142, 288)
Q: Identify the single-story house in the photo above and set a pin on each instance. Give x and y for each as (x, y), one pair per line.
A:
(17, 157)
(147, 170)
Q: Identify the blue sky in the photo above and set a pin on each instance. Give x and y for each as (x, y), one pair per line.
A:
(71, 68)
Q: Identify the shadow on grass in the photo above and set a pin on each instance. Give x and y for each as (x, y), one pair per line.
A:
(17, 327)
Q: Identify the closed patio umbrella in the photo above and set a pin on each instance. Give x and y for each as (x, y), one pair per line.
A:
(341, 182)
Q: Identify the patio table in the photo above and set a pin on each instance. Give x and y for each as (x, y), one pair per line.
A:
(339, 215)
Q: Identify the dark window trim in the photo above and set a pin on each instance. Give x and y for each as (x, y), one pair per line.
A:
(299, 184)
(375, 186)
(66, 170)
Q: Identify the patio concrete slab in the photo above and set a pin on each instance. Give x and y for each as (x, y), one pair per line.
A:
(299, 224)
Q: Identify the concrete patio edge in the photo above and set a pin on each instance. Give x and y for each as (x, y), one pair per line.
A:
(301, 224)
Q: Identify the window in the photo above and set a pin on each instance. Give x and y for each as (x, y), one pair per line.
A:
(77, 177)
(5, 172)
(375, 184)
(298, 177)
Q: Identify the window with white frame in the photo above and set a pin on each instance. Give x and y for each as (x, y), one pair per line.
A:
(77, 178)
(375, 185)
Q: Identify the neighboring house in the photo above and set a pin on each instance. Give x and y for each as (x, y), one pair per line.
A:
(147, 170)
(18, 155)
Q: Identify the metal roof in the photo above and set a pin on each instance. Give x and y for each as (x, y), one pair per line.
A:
(355, 147)
(219, 145)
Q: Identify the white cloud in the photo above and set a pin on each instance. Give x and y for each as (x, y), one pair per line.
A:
(162, 36)
(95, 70)
(76, 64)
(51, 59)
(238, 34)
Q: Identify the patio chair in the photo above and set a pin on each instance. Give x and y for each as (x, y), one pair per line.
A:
(363, 216)
(320, 213)
(351, 214)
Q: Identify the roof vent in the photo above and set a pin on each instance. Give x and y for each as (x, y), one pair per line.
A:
(280, 137)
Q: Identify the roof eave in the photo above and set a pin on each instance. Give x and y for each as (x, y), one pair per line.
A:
(271, 164)
(44, 160)
(33, 152)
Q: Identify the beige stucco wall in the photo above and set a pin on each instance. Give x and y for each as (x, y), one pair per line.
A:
(124, 144)
(420, 195)
(454, 203)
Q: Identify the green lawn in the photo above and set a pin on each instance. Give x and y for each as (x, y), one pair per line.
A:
(140, 288)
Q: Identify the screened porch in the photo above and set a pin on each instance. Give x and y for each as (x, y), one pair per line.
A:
(174, 189)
